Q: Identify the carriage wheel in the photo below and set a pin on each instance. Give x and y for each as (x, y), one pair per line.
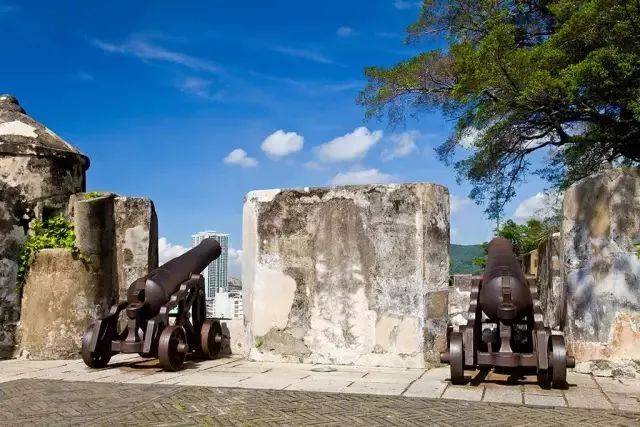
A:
(558, 360)
(211, 338)
(99, 358)
(172, 348)
(456, 358)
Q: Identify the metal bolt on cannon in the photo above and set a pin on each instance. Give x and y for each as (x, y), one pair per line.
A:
(505, 327)
(154, 328)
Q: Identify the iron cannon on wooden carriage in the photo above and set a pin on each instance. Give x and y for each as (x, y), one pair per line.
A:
(505, 326)
(166, 316)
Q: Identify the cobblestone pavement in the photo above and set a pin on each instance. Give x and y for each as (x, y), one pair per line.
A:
(230, 390)
(55, 402)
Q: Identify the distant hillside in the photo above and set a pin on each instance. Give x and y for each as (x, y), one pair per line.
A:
(462, 257)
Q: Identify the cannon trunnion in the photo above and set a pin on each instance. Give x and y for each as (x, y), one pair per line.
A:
(505, 326)
(166, 316)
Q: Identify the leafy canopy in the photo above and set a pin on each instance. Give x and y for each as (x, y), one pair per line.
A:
(524, 237)
(522, 76)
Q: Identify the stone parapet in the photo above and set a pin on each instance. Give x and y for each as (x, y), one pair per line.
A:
(62, 295)
(347, 275)
(601, 267)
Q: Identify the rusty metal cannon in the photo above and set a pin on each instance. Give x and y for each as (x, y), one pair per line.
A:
(505, 325)
(166, 316)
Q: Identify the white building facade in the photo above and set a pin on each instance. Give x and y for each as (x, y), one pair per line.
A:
(216, 273)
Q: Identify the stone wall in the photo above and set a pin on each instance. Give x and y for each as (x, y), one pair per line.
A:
(459, 298)
(601, 224)
(38, 173)
(135, 241)
(551, 285)
(347, 275)
(30, 188)
(60, 300)
(117, 237)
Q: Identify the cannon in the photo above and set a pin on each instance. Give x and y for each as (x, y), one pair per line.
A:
(165, 316)
(505, 325)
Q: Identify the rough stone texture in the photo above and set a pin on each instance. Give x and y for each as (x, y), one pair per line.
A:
(136, 241)
(95, 230)
(551, 285)
(601, 224)
(38, 172)
(60, 299)
(347, 275)
(459, 298)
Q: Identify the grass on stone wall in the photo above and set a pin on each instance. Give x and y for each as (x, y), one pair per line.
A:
(55, 232)
(93, 195)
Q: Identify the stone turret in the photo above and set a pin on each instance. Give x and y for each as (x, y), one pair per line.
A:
(38, 173)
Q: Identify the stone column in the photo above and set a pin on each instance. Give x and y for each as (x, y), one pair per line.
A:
(94, 228)
(136, 241)
(347, 275)
(601, 267)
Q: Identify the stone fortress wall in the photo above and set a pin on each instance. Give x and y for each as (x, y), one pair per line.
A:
(347, 275)
(41, 176)
(342, 275)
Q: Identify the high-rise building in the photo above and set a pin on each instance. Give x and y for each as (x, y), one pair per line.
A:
(215, 275)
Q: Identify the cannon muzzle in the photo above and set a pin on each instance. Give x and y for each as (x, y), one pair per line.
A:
(505, 294)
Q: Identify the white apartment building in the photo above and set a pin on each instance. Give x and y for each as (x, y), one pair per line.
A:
(215, 275)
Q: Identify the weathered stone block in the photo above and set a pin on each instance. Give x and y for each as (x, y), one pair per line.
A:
(459, 298)
(136, 241)
(61, 297)
(601, 267)
(551, 285)
(38, 172)
(347, 275)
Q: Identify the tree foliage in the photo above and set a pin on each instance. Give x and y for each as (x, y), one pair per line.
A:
(524, 237)
(523, 76)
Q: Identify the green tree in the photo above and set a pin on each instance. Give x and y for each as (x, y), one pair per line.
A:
(524, 237)
(519, 77)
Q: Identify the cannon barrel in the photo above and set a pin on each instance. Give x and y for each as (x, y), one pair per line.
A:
(505, 294)
(166, 279)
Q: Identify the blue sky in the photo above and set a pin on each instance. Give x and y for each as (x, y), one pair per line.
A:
(159, 94)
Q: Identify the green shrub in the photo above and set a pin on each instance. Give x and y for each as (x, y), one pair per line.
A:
(55, 232)
(93, 195)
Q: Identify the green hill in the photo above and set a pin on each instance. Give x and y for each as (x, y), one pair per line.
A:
(462, 257)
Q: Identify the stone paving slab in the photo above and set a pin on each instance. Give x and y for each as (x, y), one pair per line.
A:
(54, 402)
(583, 391)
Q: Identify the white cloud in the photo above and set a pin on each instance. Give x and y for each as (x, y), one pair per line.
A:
(142, 49)
(405, 4)
(308, 54)
(359, 177)
(456, 203)
(235, 262)
(83, 75)
(470, 136)
(345, 31)
(198, 87)
(403, 144)
(348, 147)
(539, 206)
(281, 143)
(239, 157)
(168, 251)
